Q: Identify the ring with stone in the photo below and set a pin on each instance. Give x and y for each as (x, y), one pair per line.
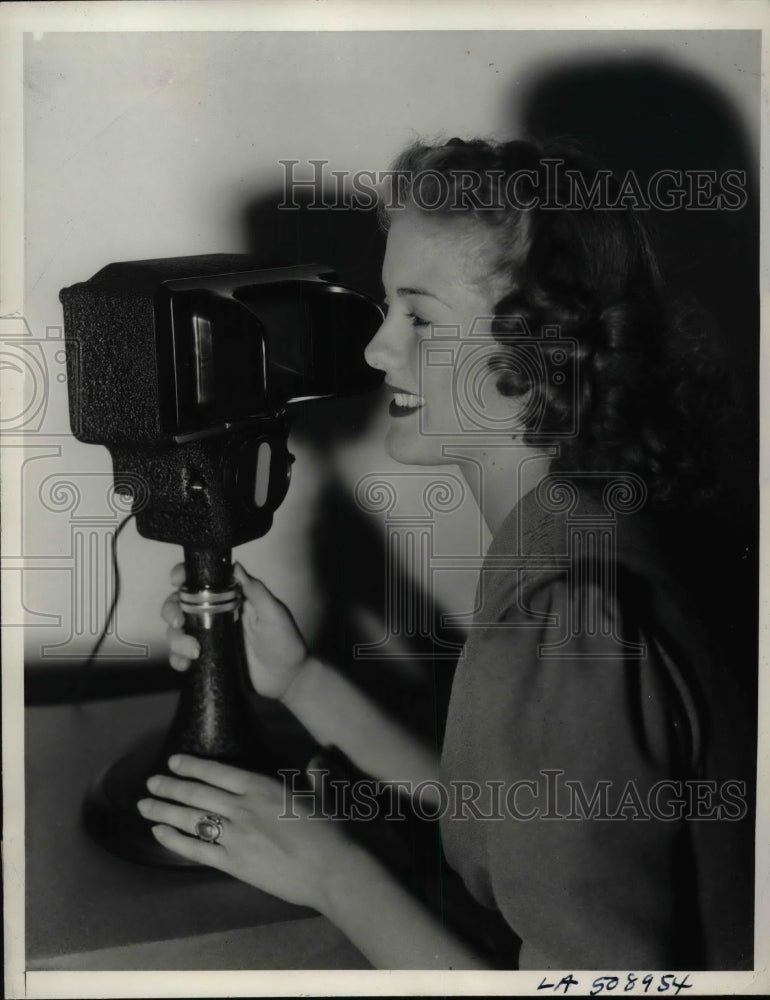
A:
(209, 828)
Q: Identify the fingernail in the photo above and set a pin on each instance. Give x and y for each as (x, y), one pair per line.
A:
(157, 831)
(154, 782)
(174, 761)
(143, 805)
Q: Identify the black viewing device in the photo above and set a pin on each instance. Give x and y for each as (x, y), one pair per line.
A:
(186, 369)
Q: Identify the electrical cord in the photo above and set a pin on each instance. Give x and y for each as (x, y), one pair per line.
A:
(84, 673)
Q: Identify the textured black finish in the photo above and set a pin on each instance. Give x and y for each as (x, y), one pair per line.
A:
(109, 809)
(207, 475)
(201, 493)
(185, 396)
(213, 719)
(198, 492)
(110, 327)
(208, 569)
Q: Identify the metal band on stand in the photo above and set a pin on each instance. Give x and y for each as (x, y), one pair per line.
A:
(206, 603)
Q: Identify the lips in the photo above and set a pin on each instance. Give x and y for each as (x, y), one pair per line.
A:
(406, 400)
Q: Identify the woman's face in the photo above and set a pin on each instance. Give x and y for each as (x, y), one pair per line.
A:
(433, 345)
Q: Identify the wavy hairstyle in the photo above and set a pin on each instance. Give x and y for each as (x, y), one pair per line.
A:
(647, 377)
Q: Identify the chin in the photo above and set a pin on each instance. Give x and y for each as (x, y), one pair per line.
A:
(413, 449)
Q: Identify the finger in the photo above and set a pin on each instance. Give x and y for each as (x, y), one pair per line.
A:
(192, 793)
(233, 779)
(178, 662)
(254, 590)
(182, 643)
(182, 817)
(171, 613)
(189, 847)
(178, 575)
(316, 772)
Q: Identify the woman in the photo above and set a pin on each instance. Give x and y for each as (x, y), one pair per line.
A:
(587, 724)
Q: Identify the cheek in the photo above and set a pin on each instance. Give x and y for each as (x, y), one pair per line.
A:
(440, 414)
(464, 397)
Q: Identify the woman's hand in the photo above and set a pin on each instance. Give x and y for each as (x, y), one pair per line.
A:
(275, 649)
(269, 840)
(306, 860)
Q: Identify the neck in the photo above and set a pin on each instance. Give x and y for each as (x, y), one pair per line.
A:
(500, 476)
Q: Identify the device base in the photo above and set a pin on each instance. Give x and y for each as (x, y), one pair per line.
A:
(109, 809)
(110, 814)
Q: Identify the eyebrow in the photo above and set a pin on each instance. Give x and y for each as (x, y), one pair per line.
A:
(419, 291)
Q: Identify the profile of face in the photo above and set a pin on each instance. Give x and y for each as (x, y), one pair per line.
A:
(432, 345)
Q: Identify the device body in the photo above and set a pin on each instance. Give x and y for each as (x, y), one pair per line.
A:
(186, 369)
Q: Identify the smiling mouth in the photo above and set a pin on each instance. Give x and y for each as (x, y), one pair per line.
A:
(408, 400)
(404, 397)
(404, 403)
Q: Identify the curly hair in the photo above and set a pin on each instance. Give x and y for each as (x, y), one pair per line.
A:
(647, 378)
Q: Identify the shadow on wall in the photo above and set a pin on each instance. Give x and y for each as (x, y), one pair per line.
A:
(348, 556)
(645, 115)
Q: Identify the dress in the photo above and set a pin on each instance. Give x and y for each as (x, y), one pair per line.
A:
(590, 676)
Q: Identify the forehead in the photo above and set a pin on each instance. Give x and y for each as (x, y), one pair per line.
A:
(434, 254)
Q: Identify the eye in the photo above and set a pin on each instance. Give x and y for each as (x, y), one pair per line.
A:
(416, 319)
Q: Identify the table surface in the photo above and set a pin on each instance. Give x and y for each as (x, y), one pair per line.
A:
(89, 910)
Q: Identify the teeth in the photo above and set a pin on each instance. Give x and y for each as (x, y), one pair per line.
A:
(407, 399)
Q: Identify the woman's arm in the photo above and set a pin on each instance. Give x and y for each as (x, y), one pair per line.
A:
(329, 706)
(303, 858)
(335, 712)
(580, 867)
(391, 928)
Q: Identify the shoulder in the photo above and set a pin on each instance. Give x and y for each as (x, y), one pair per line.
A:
(566, 526)
(576, 659)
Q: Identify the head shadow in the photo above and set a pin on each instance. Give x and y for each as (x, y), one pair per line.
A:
(645, 114)
(347, 553)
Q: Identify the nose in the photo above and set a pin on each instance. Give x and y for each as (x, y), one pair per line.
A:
(384, 350)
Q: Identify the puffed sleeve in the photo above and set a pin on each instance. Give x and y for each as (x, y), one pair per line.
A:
(587, 705)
